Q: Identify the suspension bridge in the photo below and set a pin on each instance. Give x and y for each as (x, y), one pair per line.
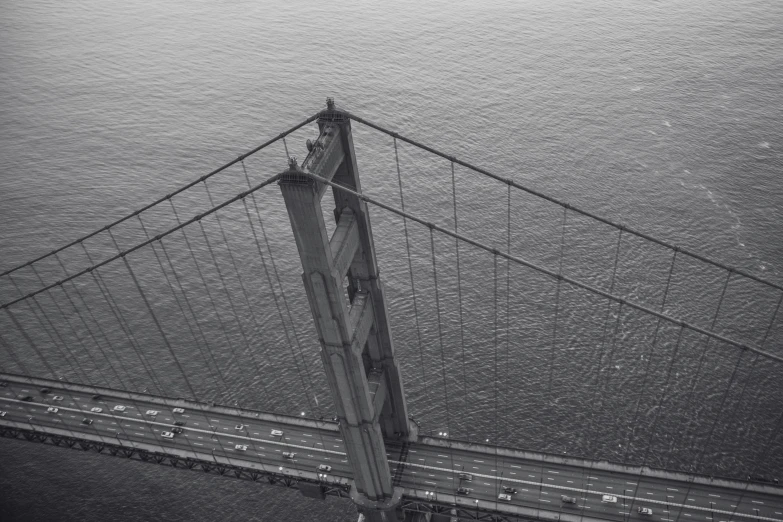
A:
(520, 359)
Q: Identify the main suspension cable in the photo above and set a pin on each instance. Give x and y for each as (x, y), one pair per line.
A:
(168, 196)
(546, 271)
(551, 199)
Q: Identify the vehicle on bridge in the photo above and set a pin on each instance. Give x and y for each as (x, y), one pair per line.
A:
(96, 410)
(644, 511)
(44, 391)
(52, 409)
(167, 435)
(239, 427)
(152, 413)
(567, 500)
(2, 413)
(57, 398)
(119, 408)
(277, 433)
(87, 421)
(466, 476)
(288, 455)
(324, 467)
(97, 397)
(608, 499)
(177, 430)
(504, 497)
(463, 491)
(240, 447)
(3, 384)
(179, 423)
(509, 490)
(25, 398)
(178, 410)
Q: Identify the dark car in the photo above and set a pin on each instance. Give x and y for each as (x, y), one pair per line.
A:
(45, 391)
(177, 430)
(25, 398)
(463, 491)
(179, 423)
(567, 499)
(87, 421)
(3, 384)
(509, 490)
(97, 397)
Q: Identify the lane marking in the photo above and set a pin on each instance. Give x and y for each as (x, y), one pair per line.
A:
(592, 492)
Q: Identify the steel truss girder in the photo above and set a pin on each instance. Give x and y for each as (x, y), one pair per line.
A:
(166, 459)
(461, 512)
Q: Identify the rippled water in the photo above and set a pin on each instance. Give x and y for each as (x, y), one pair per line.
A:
(664, 116)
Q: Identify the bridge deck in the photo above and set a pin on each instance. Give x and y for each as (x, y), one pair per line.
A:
(213, 432)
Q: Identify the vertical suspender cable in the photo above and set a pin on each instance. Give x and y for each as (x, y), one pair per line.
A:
(48, 333)
(32, 344)
(75, 333)
(160, 328)
(124, 324)
(629, 442)
(697, 461)
(752, 369)
(695, 382)
(440, 332)
(659, 408)
(603, 341)
(550, 391)
(496, 440)
(100, 328)
(206, 286)
(230, 300)
(459, 291)
(410, 270)
(508, 287)
(242, 285)
(13, 355)
(203, 348)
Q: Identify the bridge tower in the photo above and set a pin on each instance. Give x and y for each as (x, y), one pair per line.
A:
(341, 278)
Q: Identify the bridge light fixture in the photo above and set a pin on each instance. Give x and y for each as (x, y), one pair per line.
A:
(303, 414)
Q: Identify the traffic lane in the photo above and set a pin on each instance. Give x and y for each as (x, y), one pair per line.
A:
(525, 497)
(623, 506)
(215, 420)
(612, 483)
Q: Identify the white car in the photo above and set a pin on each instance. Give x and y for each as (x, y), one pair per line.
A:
(324, 467)
(2, 414)
(57, 398)
(240, 447)
(239, 427)
(178, 410)
(119, 408)
(504, 497)
(608, 499)
(167, 435)
(644, 511)
(52, 409)
(152, 412)
(287, 455)
(96, 410)
(277, 433)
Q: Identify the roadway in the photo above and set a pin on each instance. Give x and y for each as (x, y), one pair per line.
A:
(428, 468)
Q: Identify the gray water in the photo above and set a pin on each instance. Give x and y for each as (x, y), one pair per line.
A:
(664, 116)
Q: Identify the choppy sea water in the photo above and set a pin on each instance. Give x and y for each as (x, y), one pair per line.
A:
(664, 116)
